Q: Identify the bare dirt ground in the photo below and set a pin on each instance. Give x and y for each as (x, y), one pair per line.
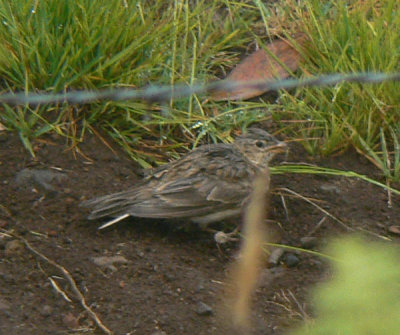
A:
(166, 280)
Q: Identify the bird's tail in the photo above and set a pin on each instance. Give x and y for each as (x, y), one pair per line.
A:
(112, 205)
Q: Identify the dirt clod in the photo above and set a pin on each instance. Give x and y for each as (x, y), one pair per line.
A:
(46, 310)
(14, 247)
(71, 321)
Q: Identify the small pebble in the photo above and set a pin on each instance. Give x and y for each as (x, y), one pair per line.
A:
(308, 242)
(330, 188)
(291, 260)
(109, 261)
(46, 310)
(394, 230)
(275, 256)
(203, 309)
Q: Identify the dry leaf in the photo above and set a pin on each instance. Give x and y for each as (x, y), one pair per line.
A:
(261, 65)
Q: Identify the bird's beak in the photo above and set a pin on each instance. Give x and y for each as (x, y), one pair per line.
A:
(279, 147)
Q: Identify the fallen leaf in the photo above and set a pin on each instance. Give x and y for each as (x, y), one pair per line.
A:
(262, 66)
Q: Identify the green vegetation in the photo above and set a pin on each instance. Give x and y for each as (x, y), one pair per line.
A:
(63, 45)
(363, 296)
(346, 37)
(54, 46)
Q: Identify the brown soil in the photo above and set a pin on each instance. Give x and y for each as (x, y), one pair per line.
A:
(167, 274)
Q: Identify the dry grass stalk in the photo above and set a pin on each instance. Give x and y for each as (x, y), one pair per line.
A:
(246, 271)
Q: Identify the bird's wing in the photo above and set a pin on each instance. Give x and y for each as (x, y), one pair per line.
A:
(190, 197)
(200, 191)
(212, 180)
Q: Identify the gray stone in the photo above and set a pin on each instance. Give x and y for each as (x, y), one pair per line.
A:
(45, 179)
(291, 260)
(203, 309)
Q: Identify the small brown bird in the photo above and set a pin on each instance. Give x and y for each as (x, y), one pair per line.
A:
(207, 185)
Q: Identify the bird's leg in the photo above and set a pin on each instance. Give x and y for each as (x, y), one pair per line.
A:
(221, 237)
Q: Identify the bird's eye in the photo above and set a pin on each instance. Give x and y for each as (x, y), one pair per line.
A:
(260, 144)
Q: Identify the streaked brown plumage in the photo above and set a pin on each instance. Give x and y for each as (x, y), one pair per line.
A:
(209, 184)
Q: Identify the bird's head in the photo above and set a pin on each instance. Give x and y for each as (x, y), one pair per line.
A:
(259, 146)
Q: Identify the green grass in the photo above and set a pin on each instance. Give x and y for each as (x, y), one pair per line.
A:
(55, 46)
(63, 45)
(345, 37)
(316, 170)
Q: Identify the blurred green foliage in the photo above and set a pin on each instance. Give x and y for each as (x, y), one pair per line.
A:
(363, 295)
